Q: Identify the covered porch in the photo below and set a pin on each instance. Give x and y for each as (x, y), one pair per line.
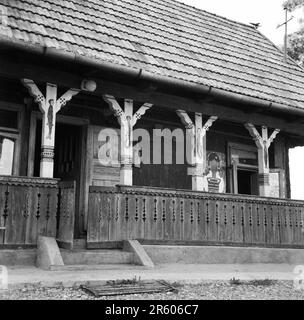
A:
(235, 190)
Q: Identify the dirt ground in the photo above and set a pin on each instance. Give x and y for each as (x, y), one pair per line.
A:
(215, 290)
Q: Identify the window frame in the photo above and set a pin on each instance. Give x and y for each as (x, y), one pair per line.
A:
(14, 134)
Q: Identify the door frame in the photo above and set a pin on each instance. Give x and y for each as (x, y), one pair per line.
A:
(234, 167)
(84, 124)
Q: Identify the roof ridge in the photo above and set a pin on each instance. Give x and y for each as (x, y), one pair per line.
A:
(183, 18)
(183, 4)
(291, 60)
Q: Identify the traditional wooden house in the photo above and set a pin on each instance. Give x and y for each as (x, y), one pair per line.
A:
(69, 69)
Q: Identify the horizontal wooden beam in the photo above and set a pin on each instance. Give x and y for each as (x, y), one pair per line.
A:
(41, 74)
(206, 108)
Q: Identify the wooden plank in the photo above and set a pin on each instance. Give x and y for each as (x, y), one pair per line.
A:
(238, 222)
(31, 225)
(18, 213)
(149, 217)
(173, 219)
(212, 234)
(8, 217)
(67, 212)
(260, 223)
(124, 217)
(44, 211)
(202, 220)
(293, 213)
(112, 216)
(220, 218)
(249, 228)
(118, 217)
(3, 189)
(195, 220)
(270, 234)
(133, 217)
(92, 235)
(188, 212)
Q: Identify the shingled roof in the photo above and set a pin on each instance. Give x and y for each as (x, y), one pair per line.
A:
(163, 37)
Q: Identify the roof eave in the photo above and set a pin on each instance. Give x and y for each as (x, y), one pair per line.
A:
(148, 76)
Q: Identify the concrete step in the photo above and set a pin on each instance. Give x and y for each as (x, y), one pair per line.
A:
(106, 267)
(96, 257)
(79, 244)
(20, 257)
(223, 255)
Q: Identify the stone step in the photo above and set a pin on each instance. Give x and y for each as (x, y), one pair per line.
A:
(96, 257)
(18, 257)
(161, 254)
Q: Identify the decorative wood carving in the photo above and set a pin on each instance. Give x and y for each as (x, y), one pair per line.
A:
(240, 219)
(127, 121)
(197, 131)
(49, 106)
(263, 143)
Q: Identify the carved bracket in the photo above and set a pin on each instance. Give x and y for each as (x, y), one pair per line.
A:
(66, 97)
(185, 119)
(34, 92)
(126, 116)
(51, 93)
(114, 106)
(141, 111)
(263, 141)
(198, 131)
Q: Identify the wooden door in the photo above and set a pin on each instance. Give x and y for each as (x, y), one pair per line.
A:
(67, 164)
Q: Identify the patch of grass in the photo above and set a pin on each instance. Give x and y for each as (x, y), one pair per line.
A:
(135, 280)
(235, 282)
(256, 283)
(262, 283)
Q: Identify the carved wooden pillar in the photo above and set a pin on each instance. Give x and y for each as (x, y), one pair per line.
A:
(197, 132)
(49, 106)
(127, 121)
(263, 143)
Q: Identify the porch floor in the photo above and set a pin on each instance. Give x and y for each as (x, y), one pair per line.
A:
(19, 277)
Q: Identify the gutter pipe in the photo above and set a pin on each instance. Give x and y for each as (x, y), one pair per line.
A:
(148, 76)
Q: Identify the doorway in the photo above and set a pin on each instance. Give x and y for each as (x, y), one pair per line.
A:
(247, 182)
(243, 166)
(67, 162)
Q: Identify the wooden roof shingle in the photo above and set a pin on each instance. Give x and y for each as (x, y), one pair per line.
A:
(163, 37)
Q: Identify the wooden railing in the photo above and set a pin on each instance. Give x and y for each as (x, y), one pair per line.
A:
(163, 215)
(28, 208)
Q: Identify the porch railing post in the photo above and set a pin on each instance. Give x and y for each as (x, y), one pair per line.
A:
(49, 106)
(263, 143)
(197, 160)
(127, 121)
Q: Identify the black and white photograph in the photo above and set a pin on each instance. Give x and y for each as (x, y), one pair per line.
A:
(151, 153)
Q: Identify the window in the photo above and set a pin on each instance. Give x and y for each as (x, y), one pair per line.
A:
(9, 142)
(7, 150)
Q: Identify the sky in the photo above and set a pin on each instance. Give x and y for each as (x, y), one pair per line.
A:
(270, 14)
